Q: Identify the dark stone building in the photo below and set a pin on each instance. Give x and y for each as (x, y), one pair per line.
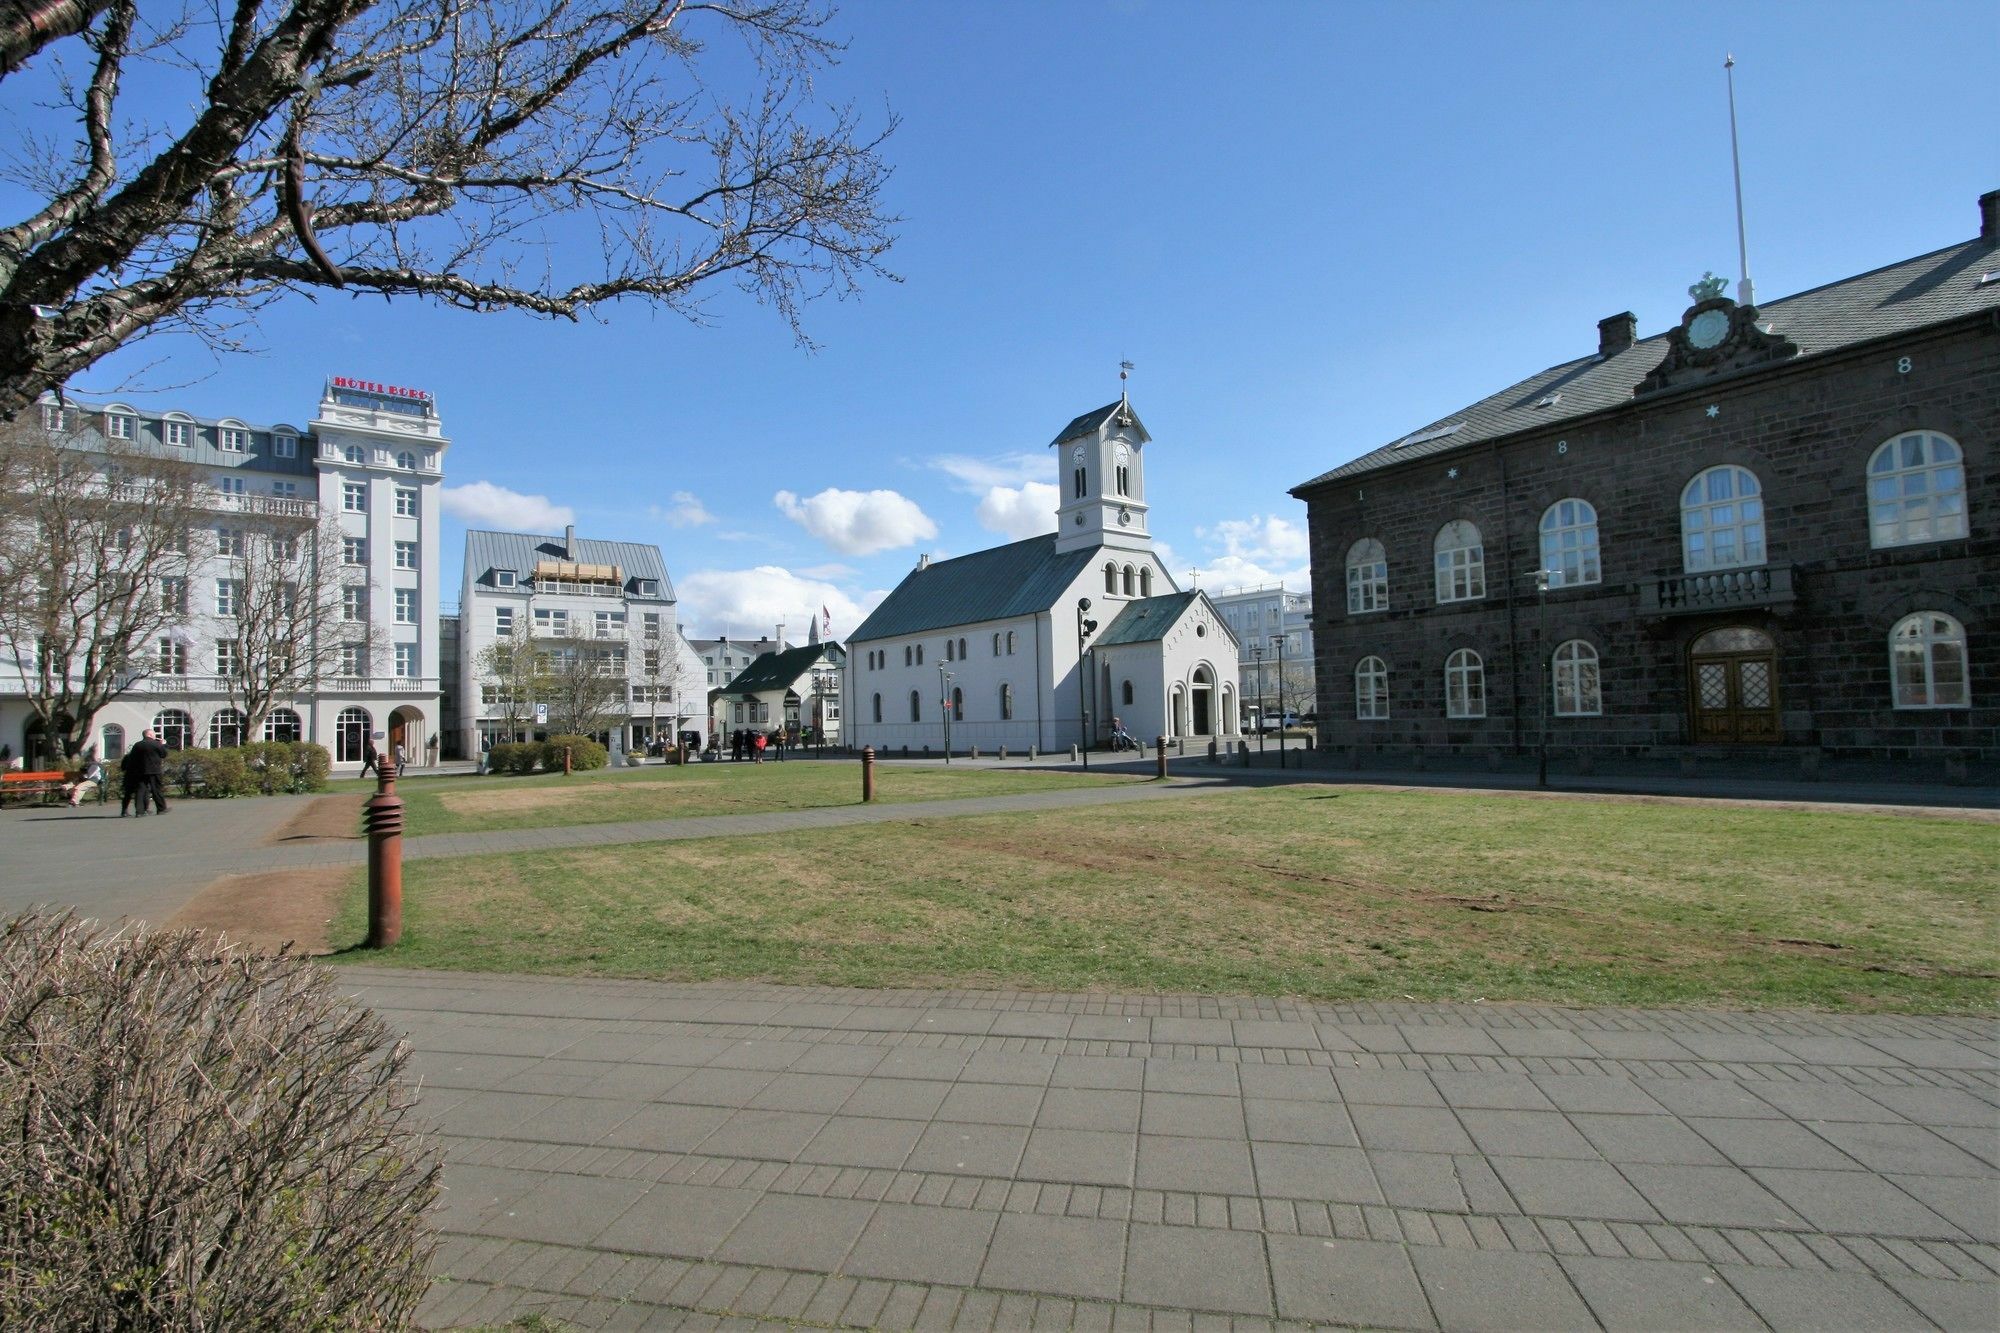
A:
(1769, 531)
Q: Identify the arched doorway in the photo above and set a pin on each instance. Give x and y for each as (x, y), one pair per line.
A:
(1733, 686)
(1226, 715)
(406, 735)
(1177, 714)
(1202, 699)
(350, 735)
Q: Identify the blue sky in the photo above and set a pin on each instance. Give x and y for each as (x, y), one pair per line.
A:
(1312, 227)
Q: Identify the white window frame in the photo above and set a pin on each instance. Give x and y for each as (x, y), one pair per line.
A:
(408, 554)
(503, 622)
(1367, 578)
(231, 485)
(1740, 513)
(406, 502)
(230, 543)
(354, 605)
(1575, 664)
(52, 417)
(228, 596)
(1912, 503)
(178, 433)
(1569, 544)
(121, 425)
(1915, 640)
(1371, 690)
(407, 461)
(354, 551)
(353, 659)
(354, 497)
(1465, 685)
(173, 657)
(285, 445)
(228, 657)
(232, 439)
(504, 578)
(285, 490)
(406, 661)
(1459, 556)
(406, 606)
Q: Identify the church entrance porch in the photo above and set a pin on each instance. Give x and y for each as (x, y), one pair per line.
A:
(1733, 687)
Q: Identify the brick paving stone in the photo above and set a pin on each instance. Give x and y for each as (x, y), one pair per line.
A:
(1488, 1290)
(1192, 1269)
(1057, 1255)
(913, 1243)
(1787, 1299)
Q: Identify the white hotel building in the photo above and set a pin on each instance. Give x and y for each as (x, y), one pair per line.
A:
(372, 456)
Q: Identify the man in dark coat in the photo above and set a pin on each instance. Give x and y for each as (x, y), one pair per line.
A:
(152, 766)
(131, 783)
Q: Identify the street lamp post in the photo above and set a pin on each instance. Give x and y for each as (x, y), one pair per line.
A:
(945, 679)
(1085, 627)
(1542, 651)
(1279, 640)
(1257, 656)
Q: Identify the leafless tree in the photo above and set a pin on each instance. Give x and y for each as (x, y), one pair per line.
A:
(509, 666)
(583, 681)
(97, 538)
(552, 156)
(286, 634)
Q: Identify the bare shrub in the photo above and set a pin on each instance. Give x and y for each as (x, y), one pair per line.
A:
(199, 1138)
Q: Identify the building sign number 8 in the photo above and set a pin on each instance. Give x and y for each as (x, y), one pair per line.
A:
(1902, 365)
(1562, 446)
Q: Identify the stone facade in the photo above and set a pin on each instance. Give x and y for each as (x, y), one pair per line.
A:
(1827, 598)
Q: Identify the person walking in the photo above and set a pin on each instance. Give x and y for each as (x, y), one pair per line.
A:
(370, 757)
(131, 782)
(152, 771)
(757, 743)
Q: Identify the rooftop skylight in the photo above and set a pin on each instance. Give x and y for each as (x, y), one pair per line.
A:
(1429, 434)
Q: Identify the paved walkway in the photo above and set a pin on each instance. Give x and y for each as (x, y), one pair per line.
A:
(633, 1154)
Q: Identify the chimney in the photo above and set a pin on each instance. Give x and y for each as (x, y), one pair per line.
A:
(924, 560)
(1989, 218)
(1617, 333)
(569, 542)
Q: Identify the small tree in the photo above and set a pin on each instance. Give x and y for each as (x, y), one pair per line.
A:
(583, 681)
(509, 666)
(289, 592)
(96, 542)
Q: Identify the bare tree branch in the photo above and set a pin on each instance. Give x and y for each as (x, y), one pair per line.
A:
(428, 148)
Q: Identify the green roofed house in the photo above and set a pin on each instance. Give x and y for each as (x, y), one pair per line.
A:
(797, 689)
(1046, 641)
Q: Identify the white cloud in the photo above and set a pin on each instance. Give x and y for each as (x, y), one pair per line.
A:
(748, 603)
(1020, 511)
(481, 504)
(686, 511)
(979, 474)
(1264, 548)
(832, 569)
(858, 522)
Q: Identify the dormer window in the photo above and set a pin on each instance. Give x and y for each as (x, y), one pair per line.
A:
(178, 432)
(647, 587)
(504, 578)
(232, 439)
(120, 425)
(356, 454)
(406, 461)
(284, 445)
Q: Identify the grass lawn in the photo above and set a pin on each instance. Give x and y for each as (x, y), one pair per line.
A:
(1309, 891)
(659, 791)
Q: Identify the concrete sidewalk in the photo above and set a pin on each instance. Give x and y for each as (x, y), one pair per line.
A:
(632, 1154)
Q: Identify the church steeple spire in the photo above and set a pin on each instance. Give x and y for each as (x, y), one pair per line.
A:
(1102, 479)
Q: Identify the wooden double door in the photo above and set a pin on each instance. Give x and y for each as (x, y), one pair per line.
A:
(1733, 687)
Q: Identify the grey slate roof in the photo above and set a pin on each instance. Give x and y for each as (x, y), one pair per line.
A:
(1092, 422)
(1018, 579)
(1929, 289)
(1145, 620)
(521, 551)
(777, 671)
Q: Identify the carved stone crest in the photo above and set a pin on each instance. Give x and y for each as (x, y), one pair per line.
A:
(1716, 337)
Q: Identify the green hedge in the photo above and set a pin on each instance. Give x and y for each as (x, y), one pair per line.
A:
(266, 768)
(583, 753)
(513, 757)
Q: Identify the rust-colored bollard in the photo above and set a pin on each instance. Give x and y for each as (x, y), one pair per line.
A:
(565, 761)
(1160, 757)
(384, 816)
(868, 775)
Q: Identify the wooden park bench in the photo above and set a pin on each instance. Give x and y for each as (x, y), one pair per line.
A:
(46, 785)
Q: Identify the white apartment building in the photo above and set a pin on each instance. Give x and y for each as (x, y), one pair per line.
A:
(373, 457)
(1043, 642)
(611, 600)
(1260, 615)
(722, 660)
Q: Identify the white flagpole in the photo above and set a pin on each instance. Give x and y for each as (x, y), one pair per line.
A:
(1745, 293)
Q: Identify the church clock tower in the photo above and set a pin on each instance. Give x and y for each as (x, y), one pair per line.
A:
(1103, 481)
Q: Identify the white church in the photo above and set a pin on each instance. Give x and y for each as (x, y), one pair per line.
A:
(1046, 641)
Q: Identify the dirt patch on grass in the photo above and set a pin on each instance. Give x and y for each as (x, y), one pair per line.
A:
(265, 912)
(323, 819)
(509, 802)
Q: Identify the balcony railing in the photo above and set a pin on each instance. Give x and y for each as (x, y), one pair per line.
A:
(1717, 590)
(169, 685)
(571, 588)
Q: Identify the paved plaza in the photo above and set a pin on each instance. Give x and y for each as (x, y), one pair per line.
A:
(635, 1154)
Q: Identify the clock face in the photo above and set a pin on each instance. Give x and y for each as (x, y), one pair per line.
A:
(1709, 328)
(1076, 455)
(1124, 518)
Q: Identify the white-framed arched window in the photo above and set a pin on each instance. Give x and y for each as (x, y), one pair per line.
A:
(1010, 643)
(1371, 689)
(1110, 577)
(354, 453)
(174, 728)
(1916, 490)
(1131, 581)
(1006, 703)
(996, 643)
(1927, 661)
(1464, 684)
(225, 729)
(1367, 577)
(407, 461)
(350, 735)
(878, 708)
(1145, 583)
(283, 725)
(1461, 562)
(916, 706)
(1722, 520)
(1578, 691)
(1569, 544)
